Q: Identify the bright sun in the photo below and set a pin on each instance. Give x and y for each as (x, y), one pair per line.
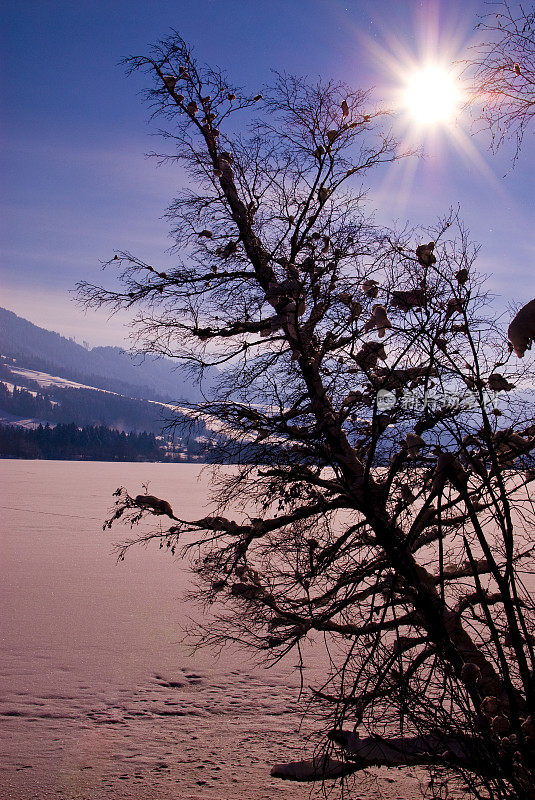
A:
(432, 96)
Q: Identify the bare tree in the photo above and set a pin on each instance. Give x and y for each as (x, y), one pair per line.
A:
(502, 73)
(380, 498)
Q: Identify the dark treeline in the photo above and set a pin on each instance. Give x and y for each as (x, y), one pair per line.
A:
(73, 443)
(88, 407)
(92, 409)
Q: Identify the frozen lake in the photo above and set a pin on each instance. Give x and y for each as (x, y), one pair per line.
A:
(99, 697)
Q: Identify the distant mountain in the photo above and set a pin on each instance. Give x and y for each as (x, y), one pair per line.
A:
(109, 368)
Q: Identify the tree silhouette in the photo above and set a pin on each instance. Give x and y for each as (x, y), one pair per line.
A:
(388, 506)
(502, 73)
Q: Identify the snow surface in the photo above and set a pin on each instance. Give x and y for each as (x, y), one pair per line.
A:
(45, 380)
(101, 697)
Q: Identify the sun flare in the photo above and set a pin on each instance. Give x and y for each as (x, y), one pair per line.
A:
(424, 88)
(432, 96)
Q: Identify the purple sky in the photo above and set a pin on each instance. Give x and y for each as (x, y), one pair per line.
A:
(76, 184)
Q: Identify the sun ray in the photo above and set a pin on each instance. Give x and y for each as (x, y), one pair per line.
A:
(421, 84)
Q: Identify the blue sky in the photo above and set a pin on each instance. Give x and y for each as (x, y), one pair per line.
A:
(76, 185)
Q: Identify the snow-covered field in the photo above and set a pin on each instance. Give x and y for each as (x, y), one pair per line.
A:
(45, 380)
(100, 698)
(11, 419)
